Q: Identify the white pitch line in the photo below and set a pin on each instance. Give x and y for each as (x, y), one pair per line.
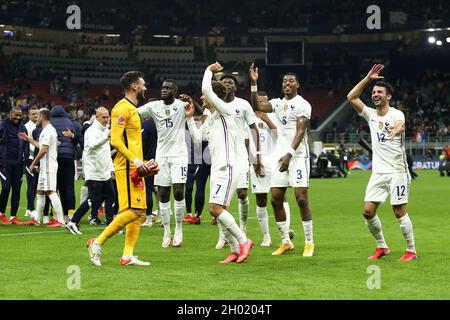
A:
(40, 232)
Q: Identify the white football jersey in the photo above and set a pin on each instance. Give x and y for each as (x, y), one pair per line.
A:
(219, 129)
(49, 162)
(388, 156)
(267, 140)
(170, 123)
(245, 116)
(30, 126)
(287, 112)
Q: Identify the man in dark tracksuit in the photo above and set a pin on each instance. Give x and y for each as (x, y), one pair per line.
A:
(149, 143)
(13, 153)
(68, 136)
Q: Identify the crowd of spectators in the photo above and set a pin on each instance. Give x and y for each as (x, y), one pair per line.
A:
(159, 14)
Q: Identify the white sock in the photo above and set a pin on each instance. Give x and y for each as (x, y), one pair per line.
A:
(178, 207)
(407, 230)
(288, 213)
(229, 224)
(234, 244)
(308, 229)
(40, 204)
(83, 193)
(243, 213)
(375, 229)
(56, 204)
(261, 214)
(45, 220)
(284, 231)
(165, 217)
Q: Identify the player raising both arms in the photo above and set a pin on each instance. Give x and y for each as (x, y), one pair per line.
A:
(291, 167)
(390, 174)
(126, 137)
(221, 131)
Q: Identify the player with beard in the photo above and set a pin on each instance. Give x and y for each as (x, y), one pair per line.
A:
(126, 138)
(390, 175)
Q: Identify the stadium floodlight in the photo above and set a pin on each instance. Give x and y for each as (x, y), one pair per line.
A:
(439, 43)
(447, 40)
(113, 35)
(235, 73)
(431, 39)
(161, 36)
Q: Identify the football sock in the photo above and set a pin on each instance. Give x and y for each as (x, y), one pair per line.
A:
(131, 235)
(407, 230)
(164, 209)
(288, 213)
(57, 206)
(234, 244)
(178, 207)
(40, 204)
(308, 229)
(375, 229)
(229, 224)
(118, 223)
(261, 214)
(243, 213)
(284, 231)
(83, 193)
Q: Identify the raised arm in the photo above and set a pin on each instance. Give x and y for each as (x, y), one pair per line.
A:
(25, 137)
(207, 89)
(257, 105)
(196, 134)
(355, 93)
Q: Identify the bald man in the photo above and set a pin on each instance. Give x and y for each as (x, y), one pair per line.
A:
(98, 171)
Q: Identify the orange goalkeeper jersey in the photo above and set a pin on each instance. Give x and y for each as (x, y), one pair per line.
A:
(126, 134)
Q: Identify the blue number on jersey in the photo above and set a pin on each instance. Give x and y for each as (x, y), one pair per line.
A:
(381, 137)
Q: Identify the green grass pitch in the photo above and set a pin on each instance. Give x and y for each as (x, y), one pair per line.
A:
(36, 261)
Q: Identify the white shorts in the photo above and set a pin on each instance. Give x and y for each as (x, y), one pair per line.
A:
(242, 173)
(261, 184)
(296, 176)
(222, 184)
(173, 170)
(47, 182)
(396, 185)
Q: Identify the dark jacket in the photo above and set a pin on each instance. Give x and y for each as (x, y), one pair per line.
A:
(7, 129)
(61, 122)
(149, 139)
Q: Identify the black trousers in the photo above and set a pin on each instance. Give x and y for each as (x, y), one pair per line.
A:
(98, 191)
(66, 183)
(149, 185)
(11, 176)
(31, 186)
(198, 174)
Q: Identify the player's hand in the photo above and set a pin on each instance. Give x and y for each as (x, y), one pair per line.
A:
(67, 133)
(262, 115)
(374, 73)
(142, 168)
(23, 136)
(113, 175)
(215, 67)
(259, 170)
(284, 162)
(253, 74)
(32, 167)
(391, 133)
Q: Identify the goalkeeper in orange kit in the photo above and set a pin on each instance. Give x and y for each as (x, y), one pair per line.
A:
(127, 139)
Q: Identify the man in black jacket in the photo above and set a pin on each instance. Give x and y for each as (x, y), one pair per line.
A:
(68, 136)
(13, 153)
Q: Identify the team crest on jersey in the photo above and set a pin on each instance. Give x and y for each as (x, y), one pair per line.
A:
(260, 125)
(138, 200)
(175, 109)
(167, 112)
(285, 107)
(380, 125)
(238, 111)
